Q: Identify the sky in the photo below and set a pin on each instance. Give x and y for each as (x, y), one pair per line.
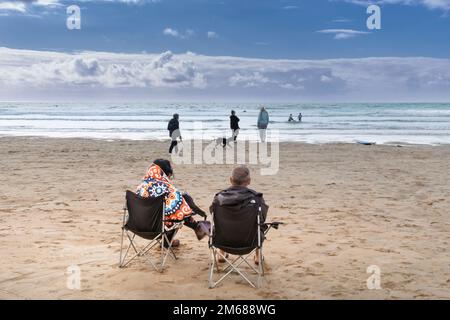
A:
(281, 50)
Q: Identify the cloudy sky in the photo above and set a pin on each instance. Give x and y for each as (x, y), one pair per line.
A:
(279, 50)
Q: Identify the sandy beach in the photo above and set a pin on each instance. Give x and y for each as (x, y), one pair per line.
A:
(345, 207)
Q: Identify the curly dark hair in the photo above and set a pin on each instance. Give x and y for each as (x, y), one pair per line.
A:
(165, 166)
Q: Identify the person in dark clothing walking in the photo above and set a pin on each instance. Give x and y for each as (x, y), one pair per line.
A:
(234, 125)
(174, 132)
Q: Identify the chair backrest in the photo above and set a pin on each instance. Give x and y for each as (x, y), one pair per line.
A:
(236, 231)
(145, 215)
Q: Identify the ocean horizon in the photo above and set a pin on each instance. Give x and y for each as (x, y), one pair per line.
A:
(381, 123)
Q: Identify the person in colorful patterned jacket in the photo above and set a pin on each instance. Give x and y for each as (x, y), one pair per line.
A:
(178, 206)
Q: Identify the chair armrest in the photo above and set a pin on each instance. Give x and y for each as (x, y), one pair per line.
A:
(274, 224)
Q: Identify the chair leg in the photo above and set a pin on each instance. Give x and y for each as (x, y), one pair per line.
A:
(123, 263)
(260, 268)
(132, 243)
(121, 248)
(171, 252)
(234, 267)
(216, 262)
(155, 241)
(211, 269)
(165, 251)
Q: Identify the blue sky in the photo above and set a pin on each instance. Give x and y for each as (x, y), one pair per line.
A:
(217, 50)
(247, 28)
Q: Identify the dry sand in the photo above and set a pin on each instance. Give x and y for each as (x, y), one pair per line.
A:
(345, 206)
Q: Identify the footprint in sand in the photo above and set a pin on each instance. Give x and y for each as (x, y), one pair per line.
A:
(320, 244)
(332, 254)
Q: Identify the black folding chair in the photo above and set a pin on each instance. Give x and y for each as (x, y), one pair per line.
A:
(144, 217)
(240, 233)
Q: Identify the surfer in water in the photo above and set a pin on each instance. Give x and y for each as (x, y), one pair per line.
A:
(300, 117)
(290, 118)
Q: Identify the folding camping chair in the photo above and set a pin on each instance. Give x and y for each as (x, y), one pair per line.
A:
(144, 217)
(239, 233)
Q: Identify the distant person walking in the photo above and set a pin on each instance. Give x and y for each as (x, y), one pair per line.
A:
(263, 122)
(234, 125)
(291, 118)
(300, 117)
(174, 132)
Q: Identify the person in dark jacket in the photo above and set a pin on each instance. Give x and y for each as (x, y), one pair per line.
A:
(174, 132)
(234, 125)
(238, 194)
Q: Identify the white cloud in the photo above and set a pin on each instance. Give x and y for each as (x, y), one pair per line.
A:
(343, 33)
(177, 34)
(51, 69)
(45, 3)
(171, 32)
(291, 7)
(430, 4)
(212, 35)
(248, 80)
(12, 6)
(52, 75)
(24, 6)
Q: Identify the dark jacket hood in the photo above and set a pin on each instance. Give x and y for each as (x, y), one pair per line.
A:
(236, 196)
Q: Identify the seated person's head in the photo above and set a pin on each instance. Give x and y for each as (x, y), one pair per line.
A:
(165, 166)
(240, 176)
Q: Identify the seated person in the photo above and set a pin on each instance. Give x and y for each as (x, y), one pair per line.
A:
(178, 206)
(239, 193)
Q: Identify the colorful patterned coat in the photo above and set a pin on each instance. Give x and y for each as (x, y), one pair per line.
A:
(154, 184)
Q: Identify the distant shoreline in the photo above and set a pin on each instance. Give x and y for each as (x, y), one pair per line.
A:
(387, 144)
(321, 123)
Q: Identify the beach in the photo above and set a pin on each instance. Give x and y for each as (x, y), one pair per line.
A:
(345, 207)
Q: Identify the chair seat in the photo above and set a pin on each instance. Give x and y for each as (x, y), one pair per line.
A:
(236, 251)
(143, 234)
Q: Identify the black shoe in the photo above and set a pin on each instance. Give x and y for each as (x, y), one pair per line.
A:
(203, 229)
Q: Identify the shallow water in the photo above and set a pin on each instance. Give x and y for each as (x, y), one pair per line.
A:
(322, 123)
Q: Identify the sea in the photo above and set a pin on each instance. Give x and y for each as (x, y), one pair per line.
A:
(381, 123)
